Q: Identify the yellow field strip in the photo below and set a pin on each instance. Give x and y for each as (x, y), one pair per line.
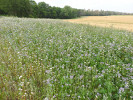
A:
(119, 22)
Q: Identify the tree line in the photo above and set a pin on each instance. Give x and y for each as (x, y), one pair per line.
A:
(29, 8)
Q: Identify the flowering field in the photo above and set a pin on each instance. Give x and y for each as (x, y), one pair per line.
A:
(46, 59)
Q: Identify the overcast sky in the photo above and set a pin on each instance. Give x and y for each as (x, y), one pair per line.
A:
(112, 5)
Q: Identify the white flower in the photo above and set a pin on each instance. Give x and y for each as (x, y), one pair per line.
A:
(71, 77)
(54, 96)
(20, 77)
(32, 93)
(20, 89)
(22, 83)
(79, 97)
(81, 76)
(121, 90)
(48, 71)
(46, 98)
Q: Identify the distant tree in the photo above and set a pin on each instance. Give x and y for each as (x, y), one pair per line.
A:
(24, 8)
(2, 12)
(34, 9)
(58, 11)
(29, 8)
(4, 6)
(20, 8)
(66, 12)
(53, 12)
(43, 9)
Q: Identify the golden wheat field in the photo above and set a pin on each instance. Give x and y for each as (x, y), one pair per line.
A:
(119, 22)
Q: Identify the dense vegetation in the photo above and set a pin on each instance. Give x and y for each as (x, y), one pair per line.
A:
(43, 59)
(29, 8)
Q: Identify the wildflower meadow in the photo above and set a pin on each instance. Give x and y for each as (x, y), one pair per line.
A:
(47, 59)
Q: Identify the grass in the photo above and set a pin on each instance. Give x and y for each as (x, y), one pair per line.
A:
(44, 59)
(119, 22)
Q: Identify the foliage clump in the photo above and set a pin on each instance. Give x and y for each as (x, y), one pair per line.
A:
(29, 8)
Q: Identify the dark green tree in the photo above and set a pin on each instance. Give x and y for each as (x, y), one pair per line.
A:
(43, 9)
(29, 8)
(20, 8)
(66, 12)
(34, 9)
(4, 6)
(53, 12)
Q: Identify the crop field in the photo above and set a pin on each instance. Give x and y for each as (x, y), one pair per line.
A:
(47, 59)
(119, 22)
